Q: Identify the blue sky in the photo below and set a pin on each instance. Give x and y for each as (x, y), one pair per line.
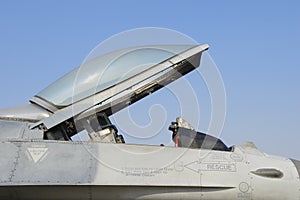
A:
(255, 45)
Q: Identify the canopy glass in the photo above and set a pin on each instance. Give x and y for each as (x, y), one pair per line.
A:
(106, 71)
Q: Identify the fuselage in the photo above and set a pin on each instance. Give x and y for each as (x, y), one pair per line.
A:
(39, 169)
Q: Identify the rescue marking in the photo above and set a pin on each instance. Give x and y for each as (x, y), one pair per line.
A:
(198, 166)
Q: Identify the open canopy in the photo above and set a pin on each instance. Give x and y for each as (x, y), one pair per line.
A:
(105, 71)
(115, 80)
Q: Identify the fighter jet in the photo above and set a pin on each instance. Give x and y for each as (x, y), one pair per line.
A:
(40, 160)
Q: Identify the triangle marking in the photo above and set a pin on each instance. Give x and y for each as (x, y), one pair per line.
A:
(36, 153)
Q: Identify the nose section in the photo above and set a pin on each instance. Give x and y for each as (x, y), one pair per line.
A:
(297, 165)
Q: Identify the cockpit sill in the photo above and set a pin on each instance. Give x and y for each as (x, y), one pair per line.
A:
(183, 136)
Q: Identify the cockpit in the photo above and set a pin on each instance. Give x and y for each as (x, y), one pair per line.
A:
(100, 129)
(83, 100)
